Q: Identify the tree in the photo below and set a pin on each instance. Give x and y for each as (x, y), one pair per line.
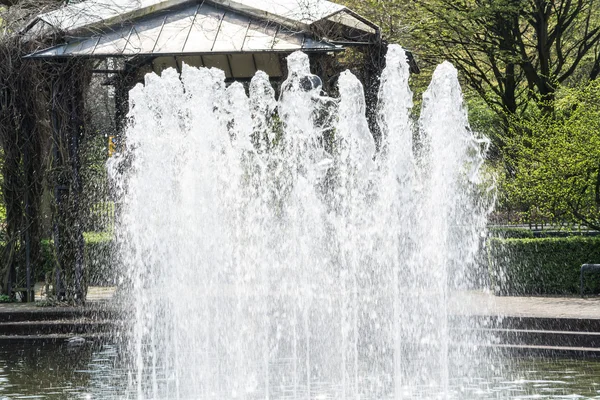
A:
(512, 51)
(558, 159)
(41, 148)
(509, 52)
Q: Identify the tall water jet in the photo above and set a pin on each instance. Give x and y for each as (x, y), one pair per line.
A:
(354, 167)
(273, 253)
(397, 205)
(454, 226)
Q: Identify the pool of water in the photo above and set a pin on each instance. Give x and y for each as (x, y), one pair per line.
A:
(59, 371)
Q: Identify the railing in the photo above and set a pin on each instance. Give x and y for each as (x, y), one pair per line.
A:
(101, 217)
(514, 219)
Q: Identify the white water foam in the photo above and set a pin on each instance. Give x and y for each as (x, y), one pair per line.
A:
(272, 253)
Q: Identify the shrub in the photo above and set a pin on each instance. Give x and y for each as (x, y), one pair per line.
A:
(542, 266)
(4, 298)
(549, 233)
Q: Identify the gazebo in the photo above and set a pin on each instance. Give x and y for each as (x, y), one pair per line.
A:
(125, 39)
(237, 36)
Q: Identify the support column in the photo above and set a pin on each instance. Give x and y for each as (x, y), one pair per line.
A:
(29, 268)
(12, 159)
(374, 65)
(123, 84)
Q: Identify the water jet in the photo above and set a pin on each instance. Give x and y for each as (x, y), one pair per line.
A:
(315, 266)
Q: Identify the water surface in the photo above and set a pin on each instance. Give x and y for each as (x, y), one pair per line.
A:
(96, 372)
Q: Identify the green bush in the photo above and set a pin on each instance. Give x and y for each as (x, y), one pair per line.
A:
(542, 266)
(550, 234)
(4, 298)
(510, 233)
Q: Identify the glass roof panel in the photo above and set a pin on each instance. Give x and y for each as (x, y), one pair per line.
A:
(260, 36)
(176, 30)
(287, 40)
(113, 43)
(204, 30)
(51, 52)
(134, 42)
(143, 38)
(302, 11)
(232, 33)
(87, 13)
(351, 21)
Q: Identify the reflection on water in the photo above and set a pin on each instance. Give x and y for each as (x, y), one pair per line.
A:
(59, 371)
(96, 372)
(538, 378)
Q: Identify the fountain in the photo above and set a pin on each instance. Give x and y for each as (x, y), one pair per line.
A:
(272, 253)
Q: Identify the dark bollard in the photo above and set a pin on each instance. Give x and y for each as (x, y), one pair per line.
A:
(587, 268)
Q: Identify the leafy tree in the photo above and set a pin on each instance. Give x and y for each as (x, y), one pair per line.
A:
(558, 159)
(511, 53)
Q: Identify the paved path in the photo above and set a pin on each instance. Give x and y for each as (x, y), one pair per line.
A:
(481, 303)
(465, 303)
(96, 296)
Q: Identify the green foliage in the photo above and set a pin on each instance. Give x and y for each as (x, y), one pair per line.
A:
(389, 15)
(542, 266)
(2, 213)
(484, 120)
(511, 51)
(512, 55)
(557, 160)
(97, 237)
(4, 298)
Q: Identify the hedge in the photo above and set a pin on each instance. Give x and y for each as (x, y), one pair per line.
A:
(98, 258)
(542, 266)
(549, 233)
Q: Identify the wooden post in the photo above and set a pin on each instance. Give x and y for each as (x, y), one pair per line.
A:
(58, 187)
(75, 132)
(125, 81)
(31, 190)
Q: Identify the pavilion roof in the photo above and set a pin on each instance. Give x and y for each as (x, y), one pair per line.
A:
(109, 28)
